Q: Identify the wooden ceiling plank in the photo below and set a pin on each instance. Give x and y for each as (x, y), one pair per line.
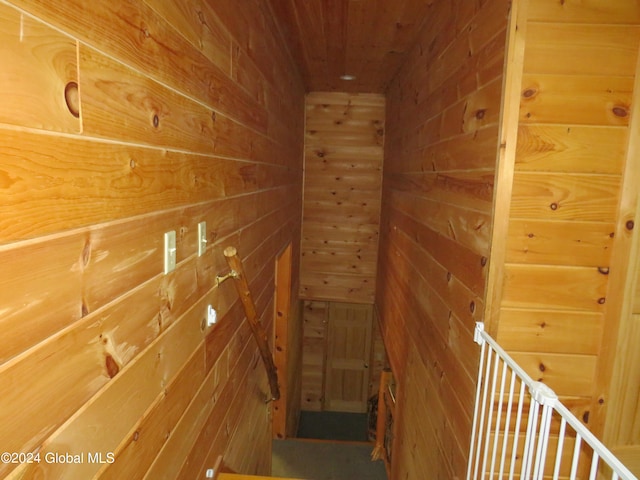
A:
(369, 39)
(335, 24)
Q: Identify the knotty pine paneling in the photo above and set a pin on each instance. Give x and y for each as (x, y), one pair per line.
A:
(342, 183)
(177, 119)
(38, 101)
(573, 129)
(367, 40)
(441, 144)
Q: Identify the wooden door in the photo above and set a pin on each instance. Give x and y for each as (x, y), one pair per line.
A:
(315, 317)
(348, 355)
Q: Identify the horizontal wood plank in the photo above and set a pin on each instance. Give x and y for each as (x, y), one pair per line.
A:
(566, 375)
(573, 243)
(199, 24)
(43, 72)
(565, 197)
(576, 99)
(554, 287)
(149, 44)
(548, 330)
(560, 48)
(570, 148)
(594, 11)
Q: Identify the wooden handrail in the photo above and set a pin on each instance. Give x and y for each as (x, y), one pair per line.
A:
(381, 419)
(242, 287)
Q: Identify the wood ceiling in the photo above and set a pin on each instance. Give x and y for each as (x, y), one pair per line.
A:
(364, 38)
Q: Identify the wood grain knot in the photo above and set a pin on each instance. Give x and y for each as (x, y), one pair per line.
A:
(541, 367)
(136, 436)
(112, 366)
(483, 261)
(553, 206)
(72, 98)
(602, 300)
(603, 270)
(156, 121)
(619, 111)
(480, 113)
(585, 417)
(529, 92)
(472, 306)
(630, 224)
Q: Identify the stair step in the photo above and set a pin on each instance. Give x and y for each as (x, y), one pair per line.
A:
(238, 476)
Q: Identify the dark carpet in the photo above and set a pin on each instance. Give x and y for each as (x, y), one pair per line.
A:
(321, 460)
(346, 427)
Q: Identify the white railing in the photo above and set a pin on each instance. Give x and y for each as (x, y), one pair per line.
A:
(544, 441)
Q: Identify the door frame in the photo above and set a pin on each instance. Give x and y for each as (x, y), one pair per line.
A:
(281, 317)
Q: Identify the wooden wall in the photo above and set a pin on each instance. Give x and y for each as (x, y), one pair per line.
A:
(622, 428)
(555, 306)
(342, 183)
(176, 112)
(441, 143)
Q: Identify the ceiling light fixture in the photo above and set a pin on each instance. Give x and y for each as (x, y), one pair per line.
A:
(347, 77)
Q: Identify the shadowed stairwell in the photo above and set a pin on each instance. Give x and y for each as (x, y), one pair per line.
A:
(330, 446)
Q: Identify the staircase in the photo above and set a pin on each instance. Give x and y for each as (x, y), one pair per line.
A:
(238, 476)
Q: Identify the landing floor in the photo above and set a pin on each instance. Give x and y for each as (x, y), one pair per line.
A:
(325, 460)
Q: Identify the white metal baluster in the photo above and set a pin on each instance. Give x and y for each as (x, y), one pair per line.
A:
(516, 432)
(473, 460)
(496, 438)
(560, 449)
(543, 441)
(483, 410)
(494, 380)
(505, 441)
(530, 439)
(594, 466)
(576, 457)
(544, 396)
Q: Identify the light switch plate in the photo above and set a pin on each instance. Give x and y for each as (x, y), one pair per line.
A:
(169, 251)
(212, 316)
(202, 238)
